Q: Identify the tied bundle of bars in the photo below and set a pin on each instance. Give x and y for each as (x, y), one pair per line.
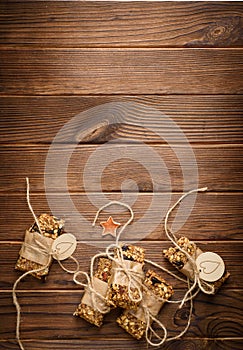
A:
(38, 241)
(155, 292)
(92, 308)
(126, 277)
(181, 262)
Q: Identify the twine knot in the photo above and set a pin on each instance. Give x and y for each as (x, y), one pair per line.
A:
(134, 275)
(98, 300)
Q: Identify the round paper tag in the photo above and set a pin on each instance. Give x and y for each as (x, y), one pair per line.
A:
(64, 246)
(210, 266)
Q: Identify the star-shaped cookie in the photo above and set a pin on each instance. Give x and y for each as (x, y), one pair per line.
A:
(109, 227)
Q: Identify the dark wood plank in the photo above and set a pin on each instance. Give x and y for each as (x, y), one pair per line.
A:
(215, 216)
(219, 168)
(57, 279)
(49, 316)
(121, 71)
(117, 24)
(111, 344)
(104, 344)
(203, 119)
(70, 50)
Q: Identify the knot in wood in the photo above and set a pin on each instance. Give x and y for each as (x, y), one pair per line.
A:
(222, 32)
(181, 316)
(188, 345)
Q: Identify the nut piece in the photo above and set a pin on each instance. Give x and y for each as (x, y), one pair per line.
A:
(132, 325)
(92, 316)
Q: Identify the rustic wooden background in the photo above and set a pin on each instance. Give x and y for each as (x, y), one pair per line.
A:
(61, 58)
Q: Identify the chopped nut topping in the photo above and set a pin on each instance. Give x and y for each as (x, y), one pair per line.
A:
(50, 226)
(134, 321)
(178, 258)
(133, 253)
(132, 325)
(158, 285)
(103, 271)
(92, 316)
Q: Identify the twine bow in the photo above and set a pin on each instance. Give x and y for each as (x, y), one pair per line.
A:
(151, 318)
(149, 329)
(197, 281)
(42, 249)
(134, 276)
(98, 300)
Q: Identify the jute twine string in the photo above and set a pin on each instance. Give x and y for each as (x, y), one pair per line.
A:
(203, 286)
(134, 279)
(96, 297)
(94, 294)
(16, 303)
(42, 249)
(150, 331)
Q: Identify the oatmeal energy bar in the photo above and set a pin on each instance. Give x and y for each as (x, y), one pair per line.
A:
(86, 309)
(33, 254)
(118, 294)
(180, 260)
(155, 289)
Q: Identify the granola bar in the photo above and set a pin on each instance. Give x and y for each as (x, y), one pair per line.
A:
(119, 293)
(155, 292)
(180, 260)
(32, 254)
(86, 309)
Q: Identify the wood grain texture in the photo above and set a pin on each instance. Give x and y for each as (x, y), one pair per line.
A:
(124, 71)
(104, 344)
(208, 320)
(117, 24)
(60, 58)
(219, 167)
(215, 216)
(230, 251)
(203, 119)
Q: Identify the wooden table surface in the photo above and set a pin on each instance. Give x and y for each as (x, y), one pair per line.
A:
(184, 59)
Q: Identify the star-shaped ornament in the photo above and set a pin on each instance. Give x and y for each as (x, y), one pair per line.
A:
(109, 227)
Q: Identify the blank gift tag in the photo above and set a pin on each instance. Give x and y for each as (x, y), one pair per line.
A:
(64, 246)
(210, 266)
